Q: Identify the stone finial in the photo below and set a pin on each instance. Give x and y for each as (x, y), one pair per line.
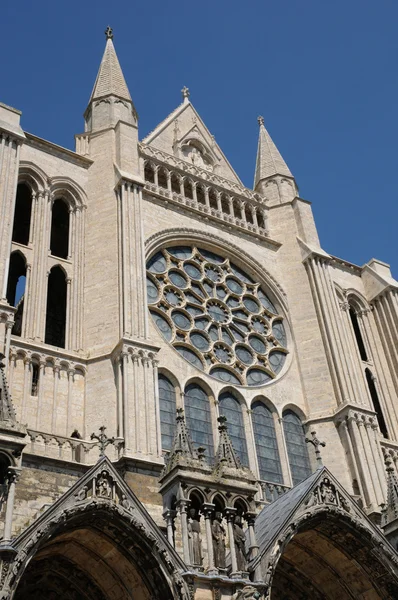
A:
(226, 455)
(109, 33)
(316, 443)
(260, 120)
(185, 93)
(102, 440)
(390, 512)
(7, 411)
(182, 451)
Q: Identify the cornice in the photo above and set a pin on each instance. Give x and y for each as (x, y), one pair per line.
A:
(51, 148)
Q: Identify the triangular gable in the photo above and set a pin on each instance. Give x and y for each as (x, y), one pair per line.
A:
(184, 126)
(319, 492)
(101, 485)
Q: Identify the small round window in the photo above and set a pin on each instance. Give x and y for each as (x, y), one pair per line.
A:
(215, 315)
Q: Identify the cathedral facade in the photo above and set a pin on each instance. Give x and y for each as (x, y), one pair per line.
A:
(197, 401)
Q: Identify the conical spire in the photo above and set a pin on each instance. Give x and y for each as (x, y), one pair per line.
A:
(7, 411)
(182, 452)
(269, 160)
(110, 79)
(390, 512)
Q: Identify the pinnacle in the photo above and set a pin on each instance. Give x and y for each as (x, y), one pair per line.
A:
(110, 79)
(7, 411)
(269, 160)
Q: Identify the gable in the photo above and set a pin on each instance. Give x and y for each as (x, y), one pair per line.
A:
(183, 134)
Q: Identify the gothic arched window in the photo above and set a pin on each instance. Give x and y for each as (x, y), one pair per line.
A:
(167, 408)
(358, 333)
(197, 412)
(376, 402)
(22, 215)
(269, 463)
(231, 409)
(16, 288)
(59, 241)
(296, 446)
(56, 308)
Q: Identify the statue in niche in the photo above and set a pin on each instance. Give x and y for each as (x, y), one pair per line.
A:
(218, 535)
(194, 539)
(239, 540)
(103, 487)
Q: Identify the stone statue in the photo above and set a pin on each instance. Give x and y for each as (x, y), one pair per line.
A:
(218, 535)
(103, 487)
(194, 539)
(239, 539)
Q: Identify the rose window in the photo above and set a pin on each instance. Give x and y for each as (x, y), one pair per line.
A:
(215, 315)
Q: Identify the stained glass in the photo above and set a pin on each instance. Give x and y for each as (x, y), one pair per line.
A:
(197, 412)
(232, 410)
(269, 463)
(296, 446)
(167, 406)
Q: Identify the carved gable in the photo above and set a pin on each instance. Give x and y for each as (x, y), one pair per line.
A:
(184, 135)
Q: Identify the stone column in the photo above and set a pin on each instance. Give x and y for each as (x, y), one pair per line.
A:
(229, 515)
(168, 516)
(253, 548)
(13, 474)
(182, 507)
(9, 326)
(208, 510)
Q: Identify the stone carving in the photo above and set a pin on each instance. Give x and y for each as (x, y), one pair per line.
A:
(103, 485)
(81, 494)
(218, 535)
(194, 538)
(239, 541)
(248, 592)
(326, 493)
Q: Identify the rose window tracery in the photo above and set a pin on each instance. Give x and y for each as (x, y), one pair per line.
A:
(216, 315)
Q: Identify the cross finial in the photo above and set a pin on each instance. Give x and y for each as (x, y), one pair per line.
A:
(185, 92)
(316, 443)
(103, 440)
(260, 120)
(109, 33)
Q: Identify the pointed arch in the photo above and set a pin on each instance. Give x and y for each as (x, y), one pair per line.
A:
(198, 415)
(149, 172)
(167, 410)
(268, 458)
(370, 380)
(296, 446)
(59, 240)
(22, 214)
(16, 288)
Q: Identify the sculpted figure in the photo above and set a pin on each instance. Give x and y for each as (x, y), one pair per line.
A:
(239, 539)
(103, 486)
(218, 534)
(194, 539)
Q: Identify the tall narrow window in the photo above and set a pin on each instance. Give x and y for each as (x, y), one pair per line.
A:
(59, 241)
(16, 288)
(358, 334)
(297, 450)
(22, 215)
(231, 409)
(56, 308)
(34, 388)
(269, 463)
(167, 407)
(197, 411)
(376, 402)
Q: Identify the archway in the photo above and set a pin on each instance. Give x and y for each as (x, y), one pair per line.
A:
(329, 558)
(96, 553)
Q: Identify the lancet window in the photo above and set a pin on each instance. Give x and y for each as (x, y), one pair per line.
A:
(198, 416)
(167, 406)
(358, 334)
(230, 408)
(56, 308)
(16, 289)
(370, 380)
(22, 215)
(59, 241)
(296, 446)
(269, 463)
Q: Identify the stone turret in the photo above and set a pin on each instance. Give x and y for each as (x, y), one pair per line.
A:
(272, 178)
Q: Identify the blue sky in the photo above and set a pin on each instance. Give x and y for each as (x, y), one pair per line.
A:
(323, 75)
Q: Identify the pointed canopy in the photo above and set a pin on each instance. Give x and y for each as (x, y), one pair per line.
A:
(110, 79)
(7, 411)
(390, 512)
(269, 160)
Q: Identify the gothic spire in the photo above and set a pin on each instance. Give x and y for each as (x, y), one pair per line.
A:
(390, 512)
(110, 79)
(226, 455)
(269, 160)
(7, 411)
(182, 451)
